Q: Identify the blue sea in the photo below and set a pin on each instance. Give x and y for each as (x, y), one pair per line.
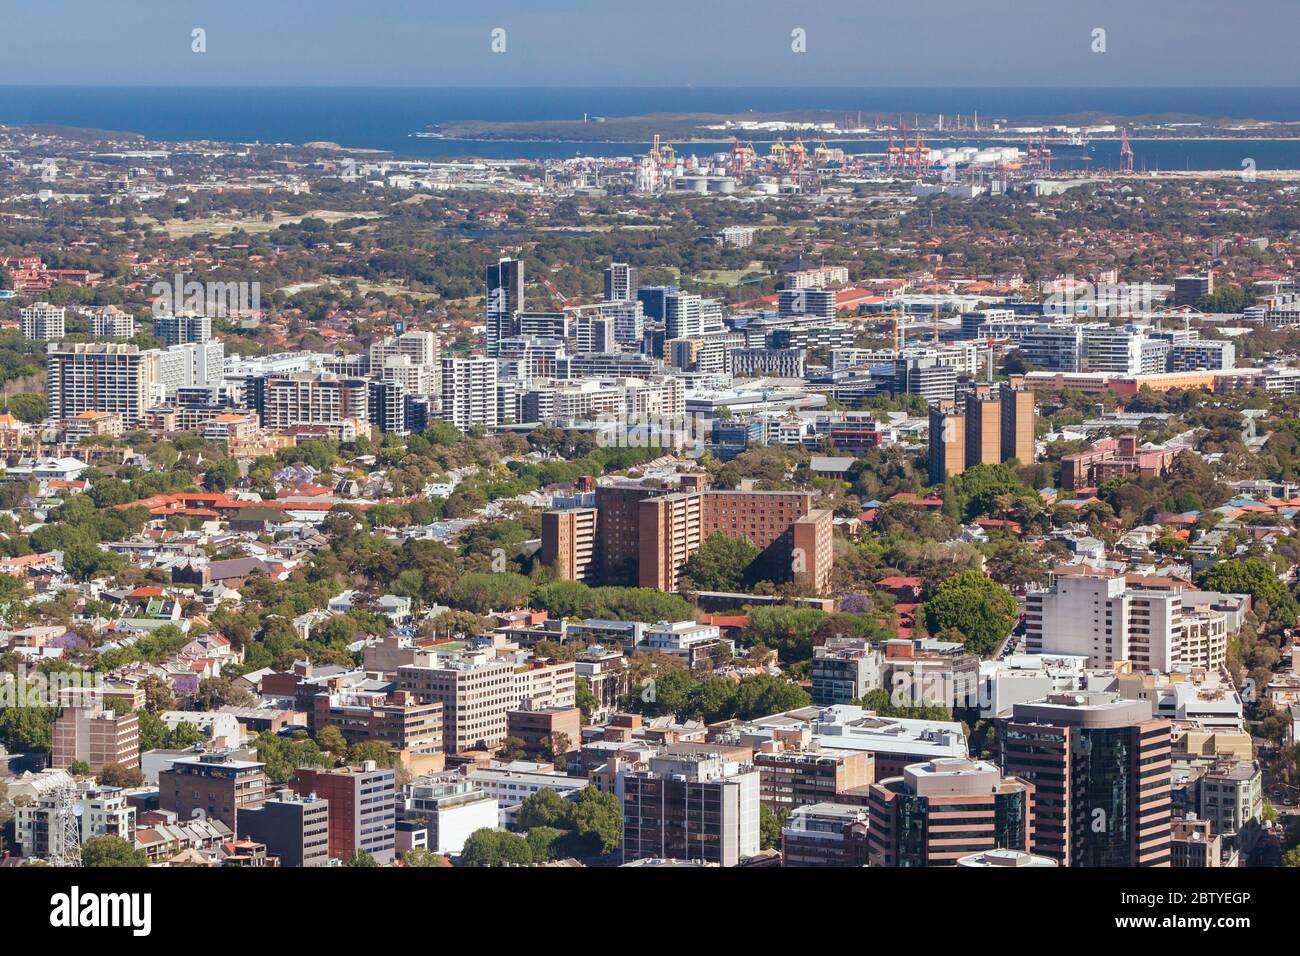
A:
(387, 118)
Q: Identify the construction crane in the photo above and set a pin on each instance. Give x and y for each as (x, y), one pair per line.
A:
(1125, 154)
(1040, 157)
(550, 287)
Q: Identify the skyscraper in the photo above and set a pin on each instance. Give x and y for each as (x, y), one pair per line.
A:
(621, 282)
(505, 300)
(1100, 766)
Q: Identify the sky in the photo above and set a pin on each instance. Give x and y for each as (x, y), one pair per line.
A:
(1159, 43)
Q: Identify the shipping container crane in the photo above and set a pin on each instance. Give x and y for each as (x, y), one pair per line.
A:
(1125, 154)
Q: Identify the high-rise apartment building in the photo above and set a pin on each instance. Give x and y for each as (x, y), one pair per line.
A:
(989, 427)
(42, 322)
(1103, 615)
(420, 347)
(95, 735)
(803, 303)
(110, 322)
(945, 809)
(99, 377)
(469, 392)
(683, 315)
(182, 329)
(643, 535)
(1100, 766)
(621, 282)
(315, 398)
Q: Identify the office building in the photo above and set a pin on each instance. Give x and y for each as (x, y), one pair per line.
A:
(844, 670)
(450, 808)
(697, 807)
(1100, 766)
(396, 720)
(795, 778)
(504, 301)
(362, 808)
(942, 810)
(213, 786)
(826, 834)
(475, 694)
(1189, 290)
(294, 828)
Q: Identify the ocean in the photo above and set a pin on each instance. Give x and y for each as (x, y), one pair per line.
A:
(386, 118)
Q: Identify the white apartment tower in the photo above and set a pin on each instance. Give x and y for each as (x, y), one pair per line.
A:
(42, 322)
(99, 377)
(469, 392)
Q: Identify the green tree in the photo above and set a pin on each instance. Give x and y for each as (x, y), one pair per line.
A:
(544, 843)
(488, 847)
(420, 857)
(545, 808)
(977, 606)
(29, 407)
(721, 564)
(361, 858)
(111, 851)
(770, 823)
(597, 822)
(221, 475)
(586, 700)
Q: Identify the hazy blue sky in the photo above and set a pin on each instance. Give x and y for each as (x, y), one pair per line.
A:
(651, 42)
